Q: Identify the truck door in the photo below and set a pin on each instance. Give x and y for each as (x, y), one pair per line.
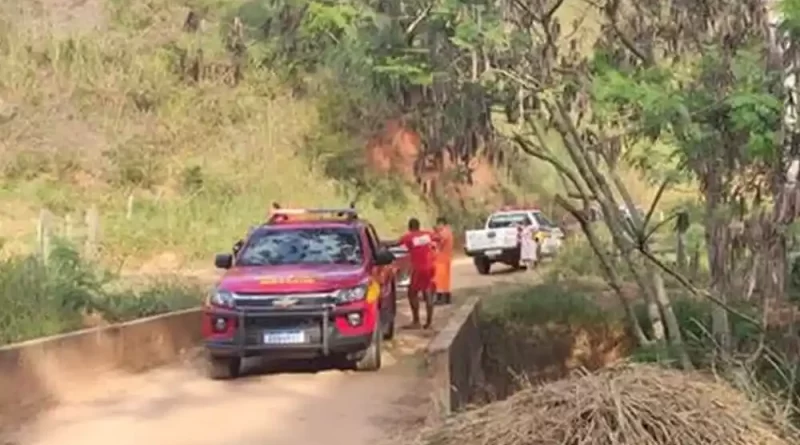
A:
(380, 273)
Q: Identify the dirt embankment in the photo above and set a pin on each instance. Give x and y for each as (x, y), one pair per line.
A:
(514, 353)
(398, 148)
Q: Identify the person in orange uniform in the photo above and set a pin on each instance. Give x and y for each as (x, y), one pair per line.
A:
(444, 261)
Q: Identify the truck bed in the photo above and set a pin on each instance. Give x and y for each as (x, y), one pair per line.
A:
(482, 240)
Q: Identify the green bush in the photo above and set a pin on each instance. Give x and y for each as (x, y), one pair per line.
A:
(157, 297)
(694, 319)
(576, 261)
(756, 367)
(40, 299)
(549, 303)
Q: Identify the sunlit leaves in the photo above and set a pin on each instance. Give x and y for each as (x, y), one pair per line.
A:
(334, 19)
(705, 120)
(406, 68)
(757, 116)
(790, 11)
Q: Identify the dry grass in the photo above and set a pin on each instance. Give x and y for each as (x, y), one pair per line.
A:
(623, 405)
(100, 114)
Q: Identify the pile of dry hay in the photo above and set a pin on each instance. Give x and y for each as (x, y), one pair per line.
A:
(624, 405)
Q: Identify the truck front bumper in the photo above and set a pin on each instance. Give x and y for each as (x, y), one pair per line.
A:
(494, 254)
(314, 331)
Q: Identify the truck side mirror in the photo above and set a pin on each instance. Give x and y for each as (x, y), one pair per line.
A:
(384, 257)
(223, 261)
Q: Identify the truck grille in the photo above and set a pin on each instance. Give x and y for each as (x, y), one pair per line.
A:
(261, 301)
(261, 313)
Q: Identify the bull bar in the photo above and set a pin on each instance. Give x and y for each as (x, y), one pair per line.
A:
(239, 342)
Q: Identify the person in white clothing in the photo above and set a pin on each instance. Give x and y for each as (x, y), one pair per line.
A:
(528, 246)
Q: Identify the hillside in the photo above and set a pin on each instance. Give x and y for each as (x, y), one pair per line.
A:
(94, 112)
(99, 115)
(99, 107)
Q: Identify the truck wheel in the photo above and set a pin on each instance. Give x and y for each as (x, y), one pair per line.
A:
(483, 266)
(224, 368)
(371, 361)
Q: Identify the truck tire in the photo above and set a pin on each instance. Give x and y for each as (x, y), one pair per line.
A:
(371, 361)
(483, 265)
(224, 368)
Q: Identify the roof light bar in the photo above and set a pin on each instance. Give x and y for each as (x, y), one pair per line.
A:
(313, 211)
(276, 213)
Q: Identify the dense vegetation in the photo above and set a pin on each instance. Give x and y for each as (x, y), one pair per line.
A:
(204, 114)
(181, 122)
(68, 293)
(206, 117)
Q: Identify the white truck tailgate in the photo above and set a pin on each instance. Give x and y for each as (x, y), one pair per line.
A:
(491, 239)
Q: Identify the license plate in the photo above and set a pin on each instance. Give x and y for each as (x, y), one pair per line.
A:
(495, 252)
(284, 337)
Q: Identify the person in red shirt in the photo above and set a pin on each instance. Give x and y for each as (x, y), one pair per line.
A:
(421, 246)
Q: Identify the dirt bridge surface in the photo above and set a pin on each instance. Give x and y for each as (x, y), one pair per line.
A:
(178, 405)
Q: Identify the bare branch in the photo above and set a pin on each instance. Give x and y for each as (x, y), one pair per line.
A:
(412, 27)
(553, 9)
(656, 199)
(613, 279)
(698, 292)
(527, 147)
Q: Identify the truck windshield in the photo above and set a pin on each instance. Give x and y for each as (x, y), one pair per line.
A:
(503, 220)
(289, 246)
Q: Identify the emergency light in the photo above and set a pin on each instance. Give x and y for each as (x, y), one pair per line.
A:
(276, 213)
(519, 209)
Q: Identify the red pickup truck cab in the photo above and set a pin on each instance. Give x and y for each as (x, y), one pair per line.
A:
(302, 288)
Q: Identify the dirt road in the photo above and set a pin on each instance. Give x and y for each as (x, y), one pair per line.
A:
(178, 405)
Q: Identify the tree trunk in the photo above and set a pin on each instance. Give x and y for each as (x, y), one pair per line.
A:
(680, 252)
(673, 327)
(613, 278)
(717, 245)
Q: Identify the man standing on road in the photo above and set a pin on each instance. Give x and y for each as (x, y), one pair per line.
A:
(421, 246)
(444, 261)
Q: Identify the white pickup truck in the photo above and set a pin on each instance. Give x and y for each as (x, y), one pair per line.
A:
(497, 242)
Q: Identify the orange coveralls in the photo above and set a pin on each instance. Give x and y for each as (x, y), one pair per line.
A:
(444, 260)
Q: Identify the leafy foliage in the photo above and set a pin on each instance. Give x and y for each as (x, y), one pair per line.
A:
(421, 61)
(699, 119)
(41, 299)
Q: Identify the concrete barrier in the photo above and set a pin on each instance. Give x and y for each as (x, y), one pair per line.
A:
(34, 374)
(453, 359)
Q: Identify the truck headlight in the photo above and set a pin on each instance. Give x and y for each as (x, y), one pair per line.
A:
(221, 298)
(352, 294)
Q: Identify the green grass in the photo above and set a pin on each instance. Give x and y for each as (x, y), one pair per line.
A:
(102, 115)
(549, 303)
(67, 292)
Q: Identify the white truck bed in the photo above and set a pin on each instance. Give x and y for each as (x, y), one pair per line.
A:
(491, 240)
